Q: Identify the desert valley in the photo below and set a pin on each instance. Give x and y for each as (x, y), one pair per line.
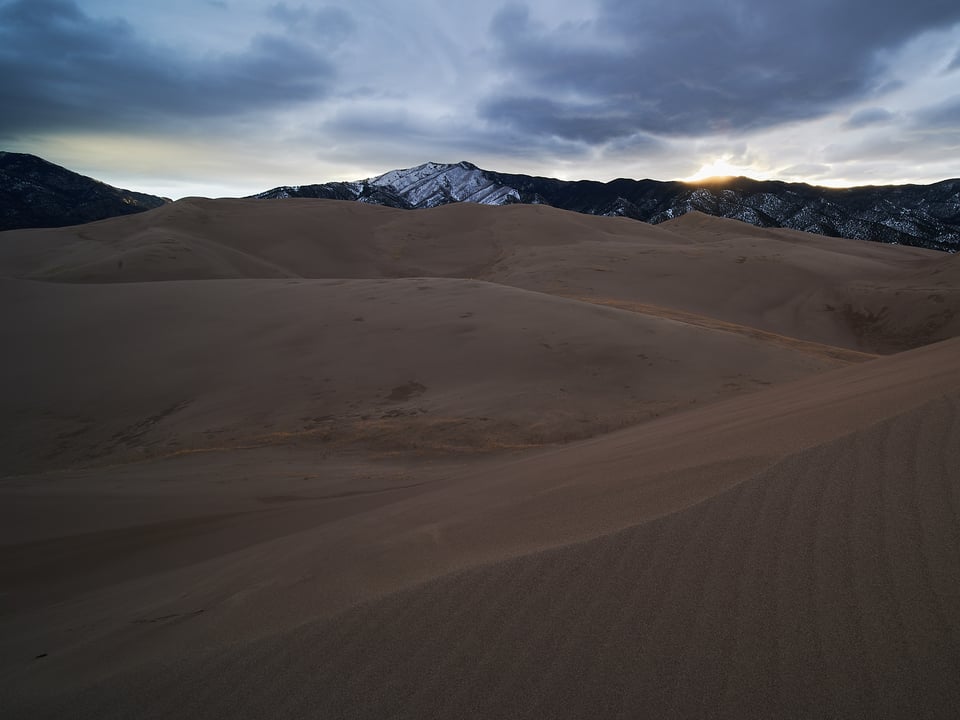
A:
(319, 458)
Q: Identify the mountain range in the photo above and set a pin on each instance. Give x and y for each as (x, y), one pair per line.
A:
(37, 193)
(920, 215)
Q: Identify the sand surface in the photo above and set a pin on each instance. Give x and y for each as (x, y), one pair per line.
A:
(323, 459)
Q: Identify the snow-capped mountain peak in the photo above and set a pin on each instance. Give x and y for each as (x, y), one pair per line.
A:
(433, 184)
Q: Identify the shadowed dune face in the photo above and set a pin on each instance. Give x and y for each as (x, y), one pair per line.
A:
(310, 458)
(906, 311)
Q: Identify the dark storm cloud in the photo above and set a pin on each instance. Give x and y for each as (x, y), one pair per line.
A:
(701, 66)
(446, 138)
(869, 116)
(593, 123)
(63, 69)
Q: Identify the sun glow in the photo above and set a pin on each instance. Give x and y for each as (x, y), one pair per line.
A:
(719, 168)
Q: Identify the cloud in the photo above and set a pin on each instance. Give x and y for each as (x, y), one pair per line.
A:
(698, 67)
(805, 170)
(869, 116)
(942, 116)
(588, 123)
(330, 24)
(63, 69)
(593, 88)
(364, 131)
(955, 63)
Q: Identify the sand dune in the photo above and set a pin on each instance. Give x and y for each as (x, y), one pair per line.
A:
(780, 281)
(827, 586)
(103, 374)
(761, 569)
(345, 461)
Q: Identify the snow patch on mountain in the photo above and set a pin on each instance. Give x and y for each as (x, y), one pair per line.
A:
(433, 184)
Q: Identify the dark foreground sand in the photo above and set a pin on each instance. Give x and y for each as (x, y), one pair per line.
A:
(315, 459)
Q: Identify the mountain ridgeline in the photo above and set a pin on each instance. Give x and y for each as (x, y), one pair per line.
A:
(919, 215)
(36, 193)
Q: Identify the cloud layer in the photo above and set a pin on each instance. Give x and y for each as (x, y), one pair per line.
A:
(64, 69)
(599, 88)
(700, 66)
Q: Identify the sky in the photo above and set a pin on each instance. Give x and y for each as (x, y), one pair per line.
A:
(233, 97)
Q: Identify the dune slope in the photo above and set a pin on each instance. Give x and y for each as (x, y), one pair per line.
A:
(825, 290)
(316, 459)
(827, 586)
(108, 373)
(791, 552)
